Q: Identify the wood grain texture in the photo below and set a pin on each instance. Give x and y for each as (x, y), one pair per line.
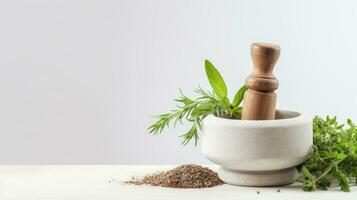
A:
(260, 98)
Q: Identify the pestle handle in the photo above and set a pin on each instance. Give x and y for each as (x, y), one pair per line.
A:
(260, 98)
(264, 57)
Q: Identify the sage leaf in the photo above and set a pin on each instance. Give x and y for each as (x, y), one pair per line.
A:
(238, 98)
(215, 79)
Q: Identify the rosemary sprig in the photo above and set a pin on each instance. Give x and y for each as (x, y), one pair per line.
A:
(194, 111)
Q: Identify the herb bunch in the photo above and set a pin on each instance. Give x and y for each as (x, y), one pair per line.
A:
(194, 110)
(333, 157)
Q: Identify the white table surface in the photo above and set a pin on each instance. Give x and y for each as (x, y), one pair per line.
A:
(93, 182)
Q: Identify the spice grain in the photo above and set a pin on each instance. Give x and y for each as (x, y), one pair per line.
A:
(184, 176)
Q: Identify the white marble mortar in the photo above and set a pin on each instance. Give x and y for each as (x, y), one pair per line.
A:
(258, 152)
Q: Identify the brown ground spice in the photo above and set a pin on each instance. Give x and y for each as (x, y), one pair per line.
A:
(184, 176)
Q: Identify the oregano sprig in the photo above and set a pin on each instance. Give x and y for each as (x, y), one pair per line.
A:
(333, 157)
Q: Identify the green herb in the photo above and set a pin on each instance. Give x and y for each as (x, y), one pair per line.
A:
(216, 80)
(333, 157)
(238, 98)
(207, 102)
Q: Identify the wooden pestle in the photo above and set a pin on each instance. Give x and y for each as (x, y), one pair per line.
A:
(260, 98)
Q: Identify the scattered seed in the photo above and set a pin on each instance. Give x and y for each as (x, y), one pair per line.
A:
(184, 176)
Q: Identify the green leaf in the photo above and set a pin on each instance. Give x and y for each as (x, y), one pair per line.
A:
(192, 133)
(215, 79)
(334, 119)
(307, 174)
(341, 156)
(324, 154)
(342, 178)
(349, 122)
(238, 98)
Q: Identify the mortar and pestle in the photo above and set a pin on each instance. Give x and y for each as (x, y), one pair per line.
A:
(266, 145)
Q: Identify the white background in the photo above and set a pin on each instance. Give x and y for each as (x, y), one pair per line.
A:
(79, 79)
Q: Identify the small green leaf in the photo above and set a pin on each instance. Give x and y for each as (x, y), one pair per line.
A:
(192, 133)
(340, 126)
(324, 154)
(341, 156)
(215, 79)
(349, 122)
(343, 179)
(333, 120)
(238, 98)
(307, 174)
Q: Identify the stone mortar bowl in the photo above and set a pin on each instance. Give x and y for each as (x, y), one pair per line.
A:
(258, 152)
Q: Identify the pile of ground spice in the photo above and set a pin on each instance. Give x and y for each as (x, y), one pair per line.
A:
(184, 176)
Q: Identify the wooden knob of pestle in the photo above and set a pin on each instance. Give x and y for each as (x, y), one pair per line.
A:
(260, 98)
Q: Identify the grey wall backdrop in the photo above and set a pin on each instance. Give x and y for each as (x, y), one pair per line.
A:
(79, 78)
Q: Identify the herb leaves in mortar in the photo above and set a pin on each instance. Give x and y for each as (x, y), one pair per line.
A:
(207, 102)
